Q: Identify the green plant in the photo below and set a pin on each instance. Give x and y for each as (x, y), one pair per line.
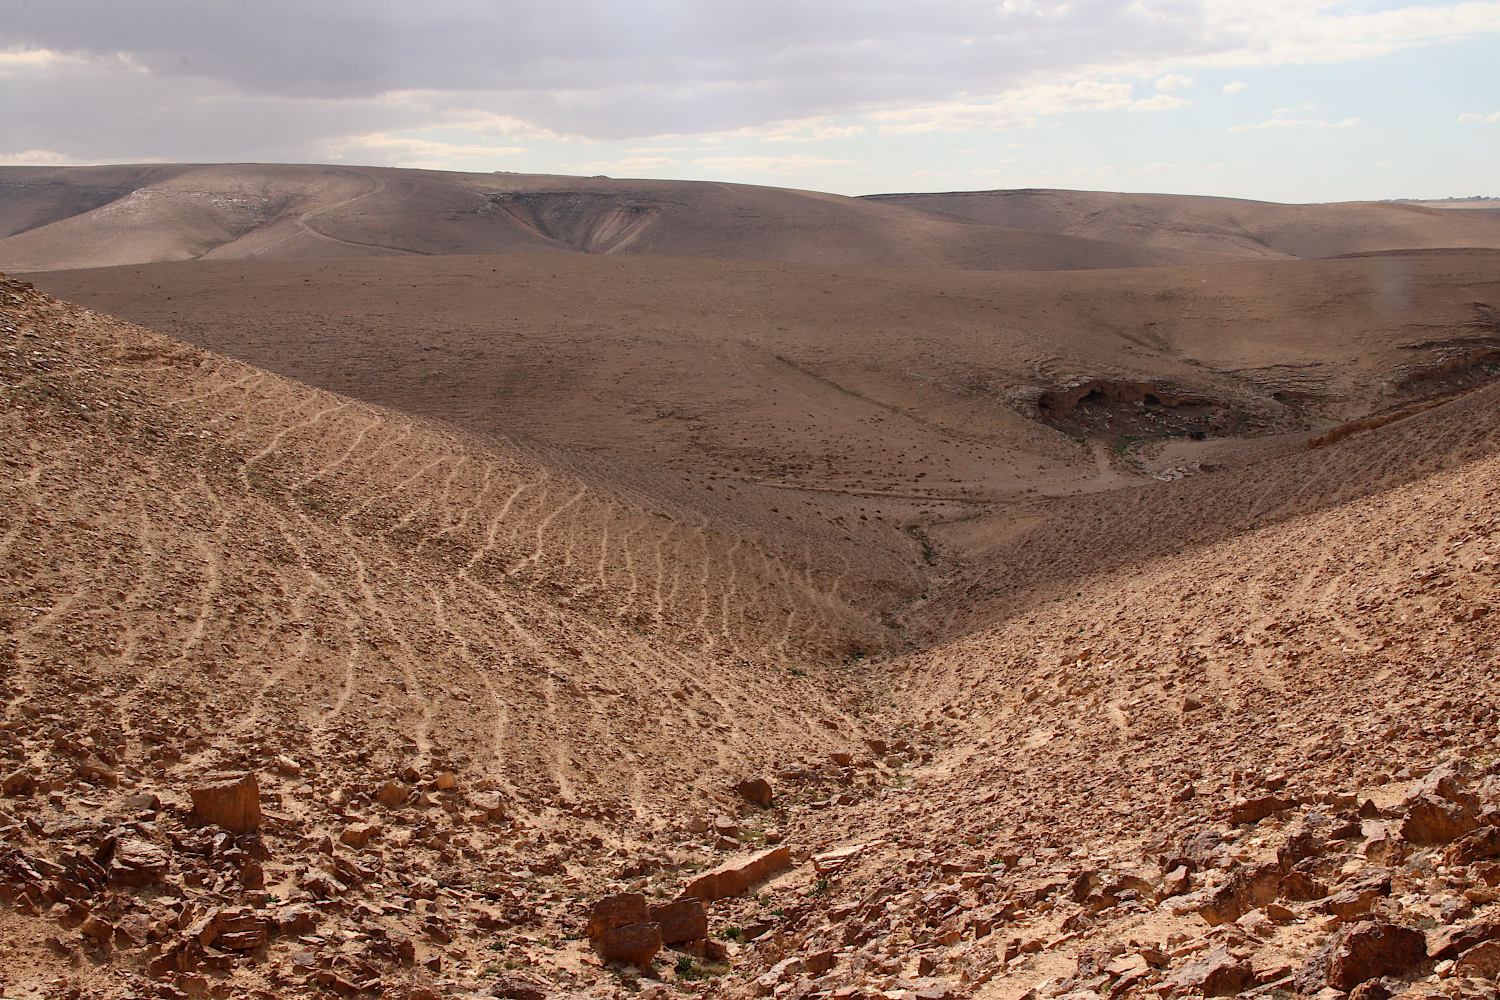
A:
(690, 971)
(731, 932)
(820, 887)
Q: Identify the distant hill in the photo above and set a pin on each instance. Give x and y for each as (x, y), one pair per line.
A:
(1244, 229)
(67, 217)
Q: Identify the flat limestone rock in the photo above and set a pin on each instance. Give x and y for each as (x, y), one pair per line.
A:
(737, 874)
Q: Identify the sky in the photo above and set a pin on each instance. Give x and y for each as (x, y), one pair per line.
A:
(1279, 100)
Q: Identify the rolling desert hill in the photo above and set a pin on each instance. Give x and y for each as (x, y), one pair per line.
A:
(859, 619)
(69, 217)
(861, 400)
(1247, 229)
(482, 688)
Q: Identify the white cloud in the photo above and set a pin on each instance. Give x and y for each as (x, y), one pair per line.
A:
(1489, 119)
(796, 163)
(1151, 168)
(1020, 106)
(1233, 87)
(16, 61)
(413, 151)
(1173, 81)
(817, 134)
(44, 62)
(626, 164)
(1306, 32)
(1295, 123)
(34, 158)
(1161, 102)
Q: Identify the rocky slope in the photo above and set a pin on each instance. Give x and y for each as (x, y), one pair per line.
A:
(299, 696)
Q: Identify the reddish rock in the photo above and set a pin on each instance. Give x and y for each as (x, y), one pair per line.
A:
(1480, 962)
(1449, 781)
(681, 920)
(1217, 974)
(1367, 950)
(229, 801)
(1299, 847)
(137, 863)
(489, 803)
(1359, 895)
(1247, 889)
(737, 874)
(97, 928)
(358, 834)
(756, 791)
(242, 930)
(1300, 887)
(391, 794)
(630, 944)
(1253, 810)
(514, 988)
(19, 782)
(1433, 820)
(1176, 882)
(617, 910)
(1478, 846)
(1453, 941)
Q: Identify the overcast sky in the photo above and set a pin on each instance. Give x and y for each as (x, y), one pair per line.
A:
(1287, 100)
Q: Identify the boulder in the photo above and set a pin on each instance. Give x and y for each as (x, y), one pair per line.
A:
(242, 930)
(228, 801)
(391, 794)
(737, 874)
(1449, 781)
(489, 803)
(1199, 849)
(1367, 950)
(1480, 962)
(617, 910)
(1257, 808)
(1358, 895)
(756, 791)
(681, 920)
(621, 930)
(1248, 889)
(1433, 820)
(1299, 846)
(358, 834)
(137, 863)
(630, 944)
(1453, 941)
(18, 782)
(1478, 846)
(1217, 974)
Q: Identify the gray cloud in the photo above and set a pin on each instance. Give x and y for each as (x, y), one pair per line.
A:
(610, 69)
(283, 78)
